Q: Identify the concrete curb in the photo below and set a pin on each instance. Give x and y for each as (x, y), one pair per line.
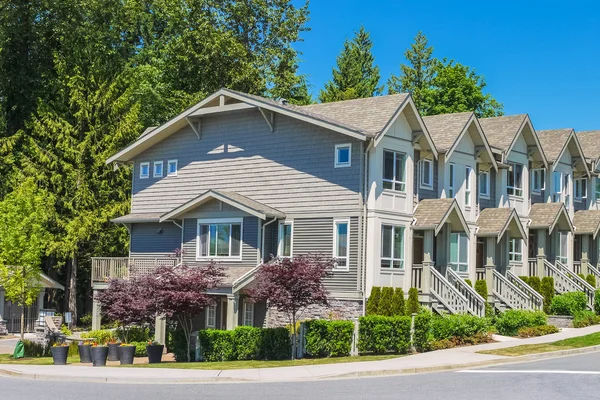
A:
(358, 374)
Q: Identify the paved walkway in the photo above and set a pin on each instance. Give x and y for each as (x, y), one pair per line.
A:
(463, 357)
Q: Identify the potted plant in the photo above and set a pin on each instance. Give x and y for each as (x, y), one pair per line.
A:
(126, 353)
(60, 352)
(113, 350)
(155, 352)
(85, 355)
(99, 355)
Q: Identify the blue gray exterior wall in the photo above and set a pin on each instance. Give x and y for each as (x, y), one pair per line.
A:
(154, 239)
(491, 202)
(417, 189)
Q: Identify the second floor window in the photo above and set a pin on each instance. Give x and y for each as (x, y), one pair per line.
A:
(580, 189)
(219, 239)
(538, 180)
(158, 169)
(459, 252)
(285, 240)
(172, 168)
(340, 244)
(144, 170)
(467, 186)
(597, 188)
(394, 170)
(343, 155)
(484, 185)
(392, 246)
(515, 250)
(426, 174)
(515, 180)
(451, 179)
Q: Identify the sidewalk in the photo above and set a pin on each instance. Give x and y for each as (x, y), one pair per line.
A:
(463, 357)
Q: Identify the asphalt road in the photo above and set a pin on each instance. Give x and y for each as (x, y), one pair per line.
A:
(574, 377)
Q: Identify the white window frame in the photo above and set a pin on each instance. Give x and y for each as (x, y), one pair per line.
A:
(336, 222)
(162, 169)
(169, 163)
(563, 258)
(451, 180)
(515, 189)
(457, 265)
(542, 174)
(280, 240)
(339, 147)
(597, 187)
(248, 308)
(147, 174)
(211, 310)
(515, 256)
(468, 171)
(395, 180)
(393, 257)
(422, 183)
(582, 183)
(219, 221)
(484, 195)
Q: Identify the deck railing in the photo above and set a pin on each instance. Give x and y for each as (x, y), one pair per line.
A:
(536, 300)
(447, 294)
(510, 294)
(480, 274)
(577, 267)
(476, 303)
(416, 279)
(107, 268)
(583, 285)
(532, 266)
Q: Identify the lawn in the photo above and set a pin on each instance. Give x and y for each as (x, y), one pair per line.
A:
(566, 344)
(7, 359)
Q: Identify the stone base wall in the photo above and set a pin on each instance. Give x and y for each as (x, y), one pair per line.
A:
(560, 321)
(336, 310)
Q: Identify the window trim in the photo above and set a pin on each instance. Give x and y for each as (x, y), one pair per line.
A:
(244, 320)
(169, 173)
(142, 165)
(335, 243)
(219, 221)
(392, 258)
(395, 180)
(162, 169)
(337, 163)
(468, 189)
(513, 171)
(487, 186)
(596, 187)
(451, 180)
(512, 254)
(422, 184)
(542, 187)
(458, 263)
(583, 186)
(559, 256)
(280, 239)
(207, 317)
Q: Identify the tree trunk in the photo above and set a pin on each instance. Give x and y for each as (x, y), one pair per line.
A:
(67, 287)
(23, 321)
(72, 296)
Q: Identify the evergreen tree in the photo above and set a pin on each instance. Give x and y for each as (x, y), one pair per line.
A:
(385, 307)
(398, 303)
(413, 305)
(356, 75)
(547, 290)
(591, 279)
(535, 283)
(373, 302)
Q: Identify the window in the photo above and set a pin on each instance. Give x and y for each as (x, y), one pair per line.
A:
(459, 252)
(467, 186)
(340, 244)
(248, 313)
(342, 155)
(597, 188)
(556, 187)
(285, 240)
(158, 169)
(484, 185)
(394, 170)
(566, 191)
(562, 247)
(451, 180)
(580, 189)
(538, 180)
(426, 174)
(219, 239)
(172, 168)
(515, 180)
(144, 170)
(392, 246)
(515, 250)
(211, 316)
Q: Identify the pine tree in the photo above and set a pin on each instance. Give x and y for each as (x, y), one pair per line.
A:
(385, 302)
(547, 290)
(373, 302)
(413, 305)
(356, 75)
(398, 303)
(535, 283)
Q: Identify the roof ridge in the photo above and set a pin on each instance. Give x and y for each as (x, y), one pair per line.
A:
(355, 100)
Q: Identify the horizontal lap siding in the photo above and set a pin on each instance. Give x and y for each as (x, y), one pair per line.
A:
(291, 169)
(154, 239)
(425, 193)
(581, 205)
(491, 202)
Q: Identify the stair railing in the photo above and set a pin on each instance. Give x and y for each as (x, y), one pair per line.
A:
(536, 300)
(476, 303)
(447, 294)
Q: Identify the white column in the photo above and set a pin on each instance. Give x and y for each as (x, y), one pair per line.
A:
(233, 302)
(96, 316)
(160, 329)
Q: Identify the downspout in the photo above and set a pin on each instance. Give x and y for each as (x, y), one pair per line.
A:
(262, 250)
(181, 249)
(364, 241)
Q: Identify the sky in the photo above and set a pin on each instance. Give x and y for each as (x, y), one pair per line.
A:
(537, 57)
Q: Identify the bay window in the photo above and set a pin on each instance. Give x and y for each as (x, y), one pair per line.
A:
(220, 238)
(515, 180)
(459, 252)
(392, 247)
(394, 170)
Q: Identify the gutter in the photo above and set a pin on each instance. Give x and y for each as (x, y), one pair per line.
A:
(365, 225)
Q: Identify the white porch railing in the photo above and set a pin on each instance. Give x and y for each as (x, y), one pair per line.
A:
(509, 294)
(536, 301)
(562, 282)
(583, 285)
(476, 303)
(532, 266)
(446, 294)
(594, 271)
(107, 268)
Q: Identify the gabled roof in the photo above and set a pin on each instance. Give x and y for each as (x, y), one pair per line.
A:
(549, 215)
(236, 200)
(587, 222)
(590, 141)
(137, 218)
(497, 221)
(556, 141)
(434, 213)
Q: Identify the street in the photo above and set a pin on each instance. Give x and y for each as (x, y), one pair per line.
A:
(560, 378)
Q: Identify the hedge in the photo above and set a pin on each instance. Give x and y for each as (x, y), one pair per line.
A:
(328, 338)
(373, 302)
(535, 283)
(533, 331)
(412, 305)
(422, 334)
(597, 301)
(547, 289)
(569, 303)
(245, 343)
(509, 322)
(379, 334)
(591, 279)
(458, 326)
(585, 318)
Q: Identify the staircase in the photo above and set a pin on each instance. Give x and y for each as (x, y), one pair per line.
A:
(581, 285)
(453, 295)
(594, 271)
(535, 300)
(509, 295)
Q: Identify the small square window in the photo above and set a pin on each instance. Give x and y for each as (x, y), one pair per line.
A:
(144, 170)
(343, 155)
(158, 169)
(172, 168)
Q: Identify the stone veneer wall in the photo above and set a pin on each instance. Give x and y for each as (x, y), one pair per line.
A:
(336, 310)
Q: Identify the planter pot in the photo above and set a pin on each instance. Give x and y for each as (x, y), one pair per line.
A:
(60, 354)
(113, 352)
(99, 355)
(85, 355)
(155, 353)
(126, 354)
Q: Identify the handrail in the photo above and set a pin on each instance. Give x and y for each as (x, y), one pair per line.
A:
(562, 282)
(532, 266)
(536, 299)
(510, 294)
(594, 271)
(107, 268)
(476, 302)
(584, 286)
(447, 294)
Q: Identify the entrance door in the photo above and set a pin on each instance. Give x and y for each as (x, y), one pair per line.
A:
(417, 249)
(532, 246)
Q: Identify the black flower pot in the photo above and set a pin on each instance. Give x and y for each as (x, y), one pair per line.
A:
(113, 352)
(60, 354)
(127, 354)
(155, 352)
(85, 355)
(99, 354)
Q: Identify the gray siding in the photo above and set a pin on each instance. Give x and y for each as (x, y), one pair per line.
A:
(271, 240)
(291, 169)
(538, 198)
(155, 239)
(249, 242)
(315, 236)
(582, 205)
(425, 193)
(491, 202)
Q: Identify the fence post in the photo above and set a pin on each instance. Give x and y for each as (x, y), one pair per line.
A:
(412, 333)
(301, 343)
(354, 348)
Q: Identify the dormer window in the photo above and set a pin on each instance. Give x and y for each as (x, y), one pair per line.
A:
(343, 155)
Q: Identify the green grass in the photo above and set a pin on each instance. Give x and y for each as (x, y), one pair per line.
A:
(566, 344)
(8, 359)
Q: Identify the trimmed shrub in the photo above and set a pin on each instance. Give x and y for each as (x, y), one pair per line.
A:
(328, 338)
(412, 305)
(597, 301)
(585, 318)
(533, 331)
(275, 344)
(525, 279)
(398, 303)
(101, 336)
(481, 288)
(509, 322)
(373, 302)
(422, 335)
(385, 302)
(535, 283)
(176, 344)
(246, 341)
(547, 289)
(468, 282)
(568, 303)
(591, 279)
(217, 345)
(582, 276)
(458, 326)
(140, 348)
(380, 334)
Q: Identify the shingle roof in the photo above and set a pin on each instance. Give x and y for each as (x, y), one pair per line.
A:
(248, 202)
(543, 215)
(446, 128)
(501, 131)
(491, 221)
(553, 141)
(430, 212)
(137, 217)
(586, 222)
(590, 142)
